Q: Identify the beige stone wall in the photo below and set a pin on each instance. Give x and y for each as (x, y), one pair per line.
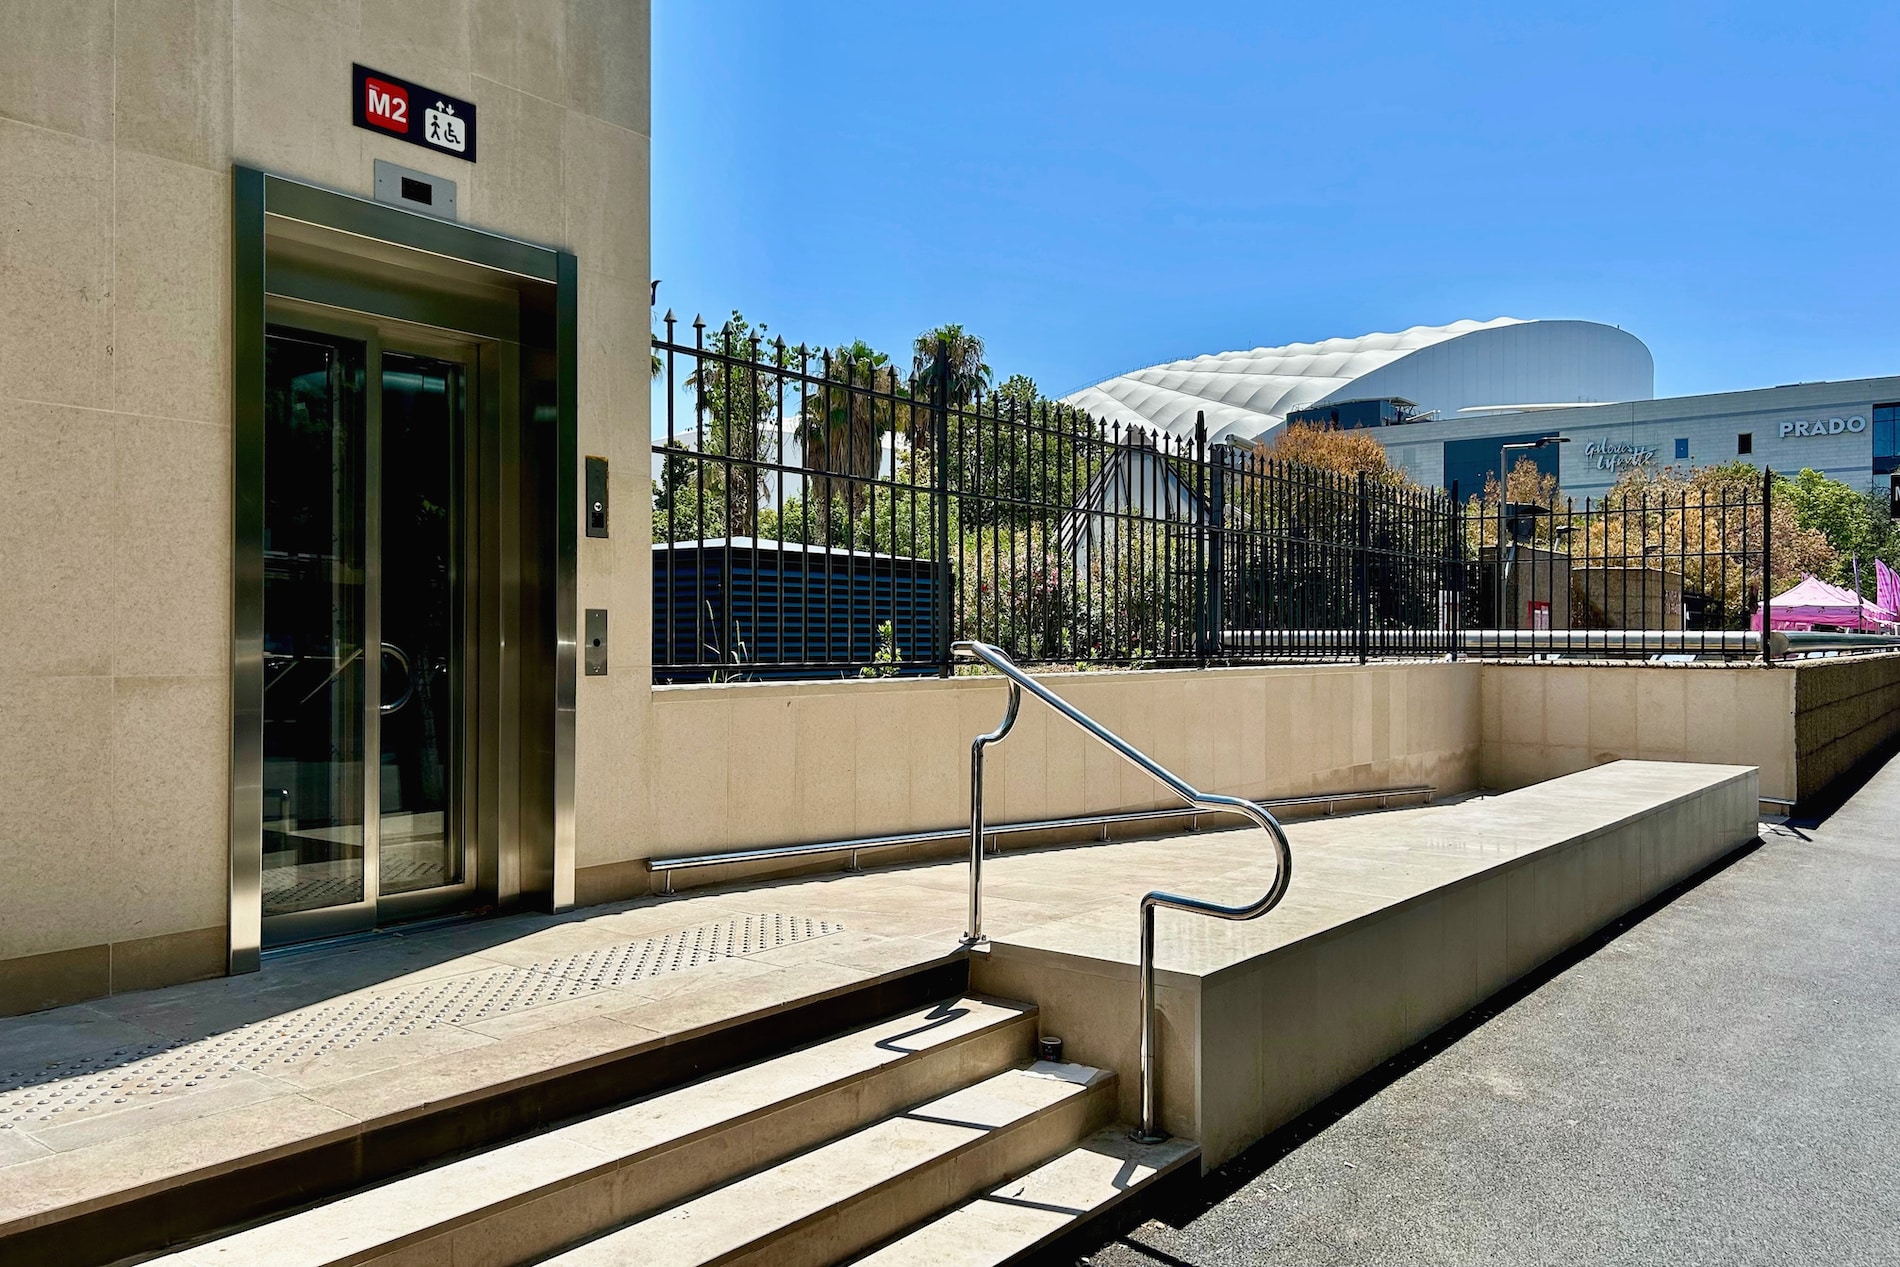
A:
(1844, 710)
(1803, 723)
(1544, 720)
(1278, 1034)
(119, 123)
(1260, 1020)
(745, 765)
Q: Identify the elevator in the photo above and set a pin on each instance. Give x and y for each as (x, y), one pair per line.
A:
(403, 545)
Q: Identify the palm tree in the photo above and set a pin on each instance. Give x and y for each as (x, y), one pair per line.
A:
(842, 427)
(953, 355)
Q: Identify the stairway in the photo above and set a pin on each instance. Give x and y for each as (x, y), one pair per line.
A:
(929, 1137)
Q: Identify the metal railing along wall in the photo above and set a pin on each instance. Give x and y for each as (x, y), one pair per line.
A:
(823, 513)
(1018, 682)
(994, 832)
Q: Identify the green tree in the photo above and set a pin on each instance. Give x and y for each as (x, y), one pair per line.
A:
(739, 391)
(1856, 525)
(842, 424)
(1024, 456)
(682, 509)
(1019, 391)
(953, 356)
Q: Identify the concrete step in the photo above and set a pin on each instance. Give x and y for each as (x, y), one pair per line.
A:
(1030, 1213)
(514, 1203)
(826, 1205)
(178, 1180)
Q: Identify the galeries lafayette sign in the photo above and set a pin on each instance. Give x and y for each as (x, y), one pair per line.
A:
(1615, 455)
(1824, 426)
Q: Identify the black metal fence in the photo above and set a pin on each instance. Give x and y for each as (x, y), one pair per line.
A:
(1671, 567)
(823, 514)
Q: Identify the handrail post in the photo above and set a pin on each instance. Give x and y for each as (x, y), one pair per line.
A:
(974, 931)
(1149, 1132)
(1019, 681)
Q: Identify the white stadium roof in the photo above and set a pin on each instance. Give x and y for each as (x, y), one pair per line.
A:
(1443, 368)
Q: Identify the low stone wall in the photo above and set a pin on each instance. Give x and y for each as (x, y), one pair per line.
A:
(1385, 936)
(1546, 720)
(1802, 723)
(1843, 711)
(740, 766)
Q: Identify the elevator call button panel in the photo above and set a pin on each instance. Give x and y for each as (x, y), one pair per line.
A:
(594, 643)
(596, 497)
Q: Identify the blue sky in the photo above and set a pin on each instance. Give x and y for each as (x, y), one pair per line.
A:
(1094, 187)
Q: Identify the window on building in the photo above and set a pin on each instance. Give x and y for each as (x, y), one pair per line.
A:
(1886, 439)
(1469, 463)
(1682, 449)
(1745, 442)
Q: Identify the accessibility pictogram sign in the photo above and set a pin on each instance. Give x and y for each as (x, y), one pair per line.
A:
(395, 107)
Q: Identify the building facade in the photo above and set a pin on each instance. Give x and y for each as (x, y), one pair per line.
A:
(320, 320)
(1443, 400)
(1845, 430)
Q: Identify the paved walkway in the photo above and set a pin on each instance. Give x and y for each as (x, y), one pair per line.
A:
(134, 1091)
(1720, 1083)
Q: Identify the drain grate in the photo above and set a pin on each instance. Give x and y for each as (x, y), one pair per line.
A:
(67, 1090)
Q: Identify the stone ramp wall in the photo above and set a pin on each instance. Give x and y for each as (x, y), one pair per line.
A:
(1260, 1021)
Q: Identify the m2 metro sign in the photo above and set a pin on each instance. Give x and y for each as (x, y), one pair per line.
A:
(409, 112)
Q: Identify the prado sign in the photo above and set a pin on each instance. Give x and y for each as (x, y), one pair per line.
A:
(1616, 455)
(1824, 427)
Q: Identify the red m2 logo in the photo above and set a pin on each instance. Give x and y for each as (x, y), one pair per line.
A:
(386, 105)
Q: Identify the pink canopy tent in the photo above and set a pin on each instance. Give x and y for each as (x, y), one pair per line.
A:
(1815, 602)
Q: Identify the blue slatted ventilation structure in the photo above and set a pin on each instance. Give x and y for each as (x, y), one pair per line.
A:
(745, 609)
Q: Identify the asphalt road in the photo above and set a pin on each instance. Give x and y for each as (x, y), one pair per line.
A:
(1715, 1081)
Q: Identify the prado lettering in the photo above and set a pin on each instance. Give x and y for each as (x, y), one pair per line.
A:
(1823, 427)
(1616, 455)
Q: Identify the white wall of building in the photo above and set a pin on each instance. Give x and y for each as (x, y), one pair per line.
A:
(1533, 362)
(1504, 361)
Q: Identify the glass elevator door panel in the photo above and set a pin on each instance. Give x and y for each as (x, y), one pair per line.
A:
(314, 626)
(422, 412)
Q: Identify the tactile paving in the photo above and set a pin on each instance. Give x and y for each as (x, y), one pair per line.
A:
(67, 1090)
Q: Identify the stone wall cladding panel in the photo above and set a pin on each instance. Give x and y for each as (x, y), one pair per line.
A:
(119, 124)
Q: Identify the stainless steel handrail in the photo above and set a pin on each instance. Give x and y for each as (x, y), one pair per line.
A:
(993, 832)
(1020, 681)
(974, 933)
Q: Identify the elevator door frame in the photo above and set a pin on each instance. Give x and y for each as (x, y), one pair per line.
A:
(488, 389)
(304, 256)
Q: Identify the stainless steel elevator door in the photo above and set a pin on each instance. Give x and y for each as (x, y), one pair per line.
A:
(423, 407)
(315, 620)
(363, 720)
